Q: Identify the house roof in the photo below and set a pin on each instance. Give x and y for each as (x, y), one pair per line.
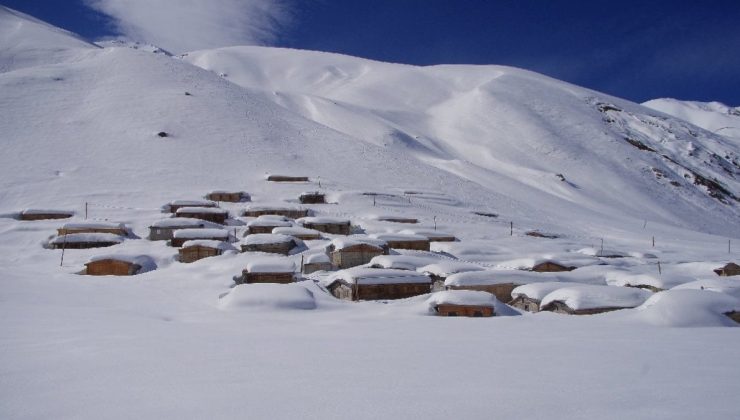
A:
(87, 237)
(364, 276)
(592, 297)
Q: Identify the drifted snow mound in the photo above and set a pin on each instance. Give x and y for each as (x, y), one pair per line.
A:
(688, 308)
(268, 295)
(713, 116)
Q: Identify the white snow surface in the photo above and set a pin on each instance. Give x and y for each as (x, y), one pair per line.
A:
(538, 291)
(209, 243)
(712, 116)
(401, 262)
(184, 221)
(492, 277)
(87, 237)
(688, 308)
(205, 233)
(593, 296)
(448, 268)
(727, 285)
(271, 265)
(267, 238)
(667, 281)
(79, 125)
(268, 296)
(364, 275)
(461, 297)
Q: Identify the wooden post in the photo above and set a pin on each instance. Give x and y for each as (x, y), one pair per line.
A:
(653, 241)
(435, 222)
(644, 224)
(511, 228)
(660, 272)
(602, 247)
(301, 264)
(729, 245)
(64, 247)
(373, 201)
(85, 210)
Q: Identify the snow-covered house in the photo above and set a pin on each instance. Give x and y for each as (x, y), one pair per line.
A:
(175, 205)
(312, 197)
(397, 219)
(404, 241)
(354, 250)
(287, 178)
(316, 262)
(468, 303)
(228, 196)
(592, 299)
(197, 249)
(44, 214)
(266, 223)
(497, 282)
(93, 227)
(654, 282)
(211, 214)
(183, 235)
(119, 265)
(268, 270)
(278, 210)
(402, 261)
(529, 296)
(361, 283)
(332, 225)
(730, 269)
(164, 230)
(85, 240)
(270, 242)
(432, 235)
(298, 232)
(440, 270)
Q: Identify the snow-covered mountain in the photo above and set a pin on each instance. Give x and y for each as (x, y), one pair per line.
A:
(487, 154)
(711, 116)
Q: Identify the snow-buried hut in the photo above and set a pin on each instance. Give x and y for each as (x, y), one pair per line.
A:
(316, 262)
(353, 251)
(730, 269)
(266, 223)
(497, 282)
(119, 265)
(228, 196)
(270, 242)
(93, 227)
(174, 206)
(268, 270)
(362, 283)
(287, 211)
(194, 250)
(404, 241)
(287, 178)
(210, 214)
(331, 225)
(44, 214)
(85, 240)
(468, 303)
(312, 197)
(529, 296)
(591, 299)
(164, 230)
(298, 232)
(552, 267)
(183, 235)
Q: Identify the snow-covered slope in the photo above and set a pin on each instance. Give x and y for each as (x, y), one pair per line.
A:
(514, 132)
(712, 116)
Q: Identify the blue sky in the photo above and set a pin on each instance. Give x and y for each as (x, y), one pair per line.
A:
(638, 50)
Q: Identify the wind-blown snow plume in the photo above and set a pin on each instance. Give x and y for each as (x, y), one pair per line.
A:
(188, 25)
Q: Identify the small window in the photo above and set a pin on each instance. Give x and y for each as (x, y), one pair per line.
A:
(526, 307)
(452, 313)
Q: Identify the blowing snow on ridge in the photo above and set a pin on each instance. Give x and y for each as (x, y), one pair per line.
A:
(593, 236)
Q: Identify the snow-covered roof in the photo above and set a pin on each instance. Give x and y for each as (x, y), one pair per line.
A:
(447, 268)
(598, 252)
(564, 259)
(87, 237)
(316, 258)
(271, 265)
(427, 233)
(144, 261)
(93, 225)
(267, 238)
(270, 220)
(203, 210)
(492, 277)
(266, 207)
(398, 237)
(309, 193)
(364, 275)
(401, 262)
(323, 220)
(537, 291)
(688, 308)
(352, 240)
(727, 285)
(591, 297)
(47, 211)
(462, 297)
(295, 230)
(201, 233)
(242, 193)
(660, 281)
(182, 221)
(268, 295)
(209, 243)
(193, 203)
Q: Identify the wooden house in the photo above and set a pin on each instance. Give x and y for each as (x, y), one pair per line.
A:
(361, 283)
(174, 206)
(591, 299)
(298, 232)
(183, 235)
(287, 178)
(730, 269)
(228, 196)
(529, 296)
(351, 252)
(463, 303)
(432, 235)
(268, 271)
(313, 197)
(316, 262)
(266, 223)
(398, 219)
(497, 283)
(85, 240)
(330, 225)
(163, 230)
(119, 265)
(210, 214)
(39, 214)
(198, 249)
(269, 242)
(286, 211)
(93, 227)
(551, 267)
(404, 241)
